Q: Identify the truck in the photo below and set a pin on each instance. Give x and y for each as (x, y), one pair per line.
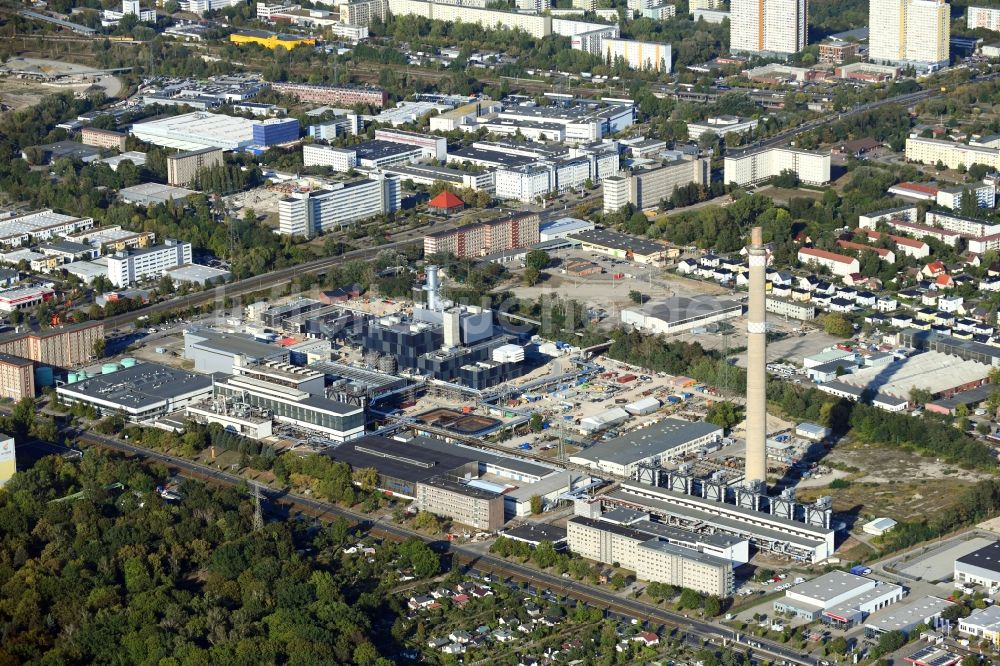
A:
(524, 447)
(674, 400)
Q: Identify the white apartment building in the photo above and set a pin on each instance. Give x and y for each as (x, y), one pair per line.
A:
(758, 165)
(339, 159)
(341, 204)
(638, 55)
(534, 24)
(985, 195)
(951, 154)
(132, 266)
(967, 226)
(202, 6)
(767, 26)
(983, 17)
(909, 32)
(839, 264)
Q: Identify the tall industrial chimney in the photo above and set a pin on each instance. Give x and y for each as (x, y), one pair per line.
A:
(756, 464)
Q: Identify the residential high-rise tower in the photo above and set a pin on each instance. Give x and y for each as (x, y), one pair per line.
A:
(768, 26)
(909, 32)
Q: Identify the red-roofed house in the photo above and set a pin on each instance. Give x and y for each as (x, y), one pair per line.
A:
(944, 281)
(838, 264)
(446, 203)
(885, 255)
(915, 191)
(934, 269)
(647, 638)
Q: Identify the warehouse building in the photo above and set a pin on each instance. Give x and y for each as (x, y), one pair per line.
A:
(667, 439)
(650, 558)
(16, 230)
(679, 313)
(907, 617)
(983, 623)
(981, 567)
(941, 374)
(201, 129)
(621, 246)
(840, 598)
(151, 194)
(142, 392)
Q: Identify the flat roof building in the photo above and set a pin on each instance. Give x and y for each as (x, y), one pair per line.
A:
(906, 617)
(623, 246)
(213, 351)
(679, 313)
(142, 392)
(667, 439)
(150, 194)
(981, 567)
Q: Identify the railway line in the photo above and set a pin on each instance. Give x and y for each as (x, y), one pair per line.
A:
(465, 556)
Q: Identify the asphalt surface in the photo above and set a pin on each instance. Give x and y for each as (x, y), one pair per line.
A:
(568, 587)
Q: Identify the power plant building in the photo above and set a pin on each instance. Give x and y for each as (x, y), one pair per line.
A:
(142, 392)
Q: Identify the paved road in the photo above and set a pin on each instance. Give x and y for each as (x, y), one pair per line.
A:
(568, 587)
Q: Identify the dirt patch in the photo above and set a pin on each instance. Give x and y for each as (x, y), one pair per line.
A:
(890, 482)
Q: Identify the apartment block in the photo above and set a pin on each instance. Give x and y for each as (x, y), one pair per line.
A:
(476, 507)
(637, 55)
(65, 347)
(839, 264)
(759, 165)
(909, 32)
(477, 240)
(338, 205)
(951, 154)
(184, 166)
(363, 12)
(129, 267)
(101, 138)
(17, 377)
(983, 17)
(768, 26)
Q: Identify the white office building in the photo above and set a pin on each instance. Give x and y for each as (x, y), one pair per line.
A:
(339, 159)
(132, 266)
(909, 32)
(768, 26)
(340, 204)
(525, 183)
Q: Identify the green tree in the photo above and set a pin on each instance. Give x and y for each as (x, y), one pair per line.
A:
(724, 414)
(537, 422)
(713, 606)
(536, 504)
(838, 325)
(100, 347)
(538, 259)
(427, 521)
(636, 296)
(531, 276)
(689, 599)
